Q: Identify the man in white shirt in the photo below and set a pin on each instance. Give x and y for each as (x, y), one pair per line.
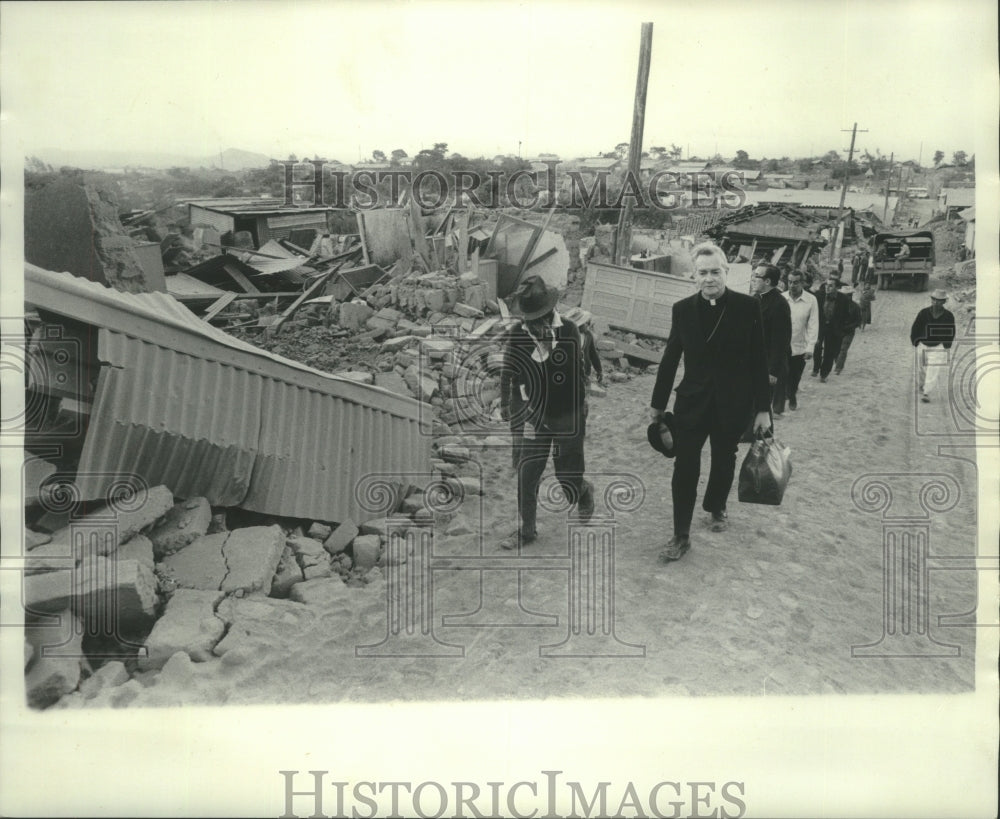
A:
(805, 331)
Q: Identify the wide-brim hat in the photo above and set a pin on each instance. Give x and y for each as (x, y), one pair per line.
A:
(533, 298)
(654, 434)
(940, 293)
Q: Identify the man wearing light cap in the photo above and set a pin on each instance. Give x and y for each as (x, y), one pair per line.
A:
(932, 333)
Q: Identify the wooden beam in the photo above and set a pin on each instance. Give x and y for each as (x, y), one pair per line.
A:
(316, 285)
(239, 277)
(219, 305)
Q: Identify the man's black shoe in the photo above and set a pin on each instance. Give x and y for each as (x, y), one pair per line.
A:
(720, 521)
(518, 538)
(585, 507)
(676, 548)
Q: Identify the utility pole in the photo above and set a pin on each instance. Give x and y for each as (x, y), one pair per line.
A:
(623, 240)
(843, 191)
(888, 181)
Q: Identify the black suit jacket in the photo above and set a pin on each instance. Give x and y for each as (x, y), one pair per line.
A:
(730, 371)
(777, 318)
(842, 322)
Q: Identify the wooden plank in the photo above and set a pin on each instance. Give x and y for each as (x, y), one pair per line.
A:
(463, 243)
(641, 353)
(308, 293)
(239, 277)
(219, 305)
(361, 234)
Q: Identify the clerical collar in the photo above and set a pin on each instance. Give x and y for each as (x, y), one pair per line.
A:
(721, 300)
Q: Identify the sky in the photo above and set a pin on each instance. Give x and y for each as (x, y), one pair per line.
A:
(338, 79)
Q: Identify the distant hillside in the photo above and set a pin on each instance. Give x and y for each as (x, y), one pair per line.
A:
(233, 159)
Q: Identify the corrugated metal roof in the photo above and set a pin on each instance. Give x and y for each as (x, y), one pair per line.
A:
(249, 206)
(184, 404)
(272, 258)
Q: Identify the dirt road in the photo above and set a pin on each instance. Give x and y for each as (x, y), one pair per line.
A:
(773, 606)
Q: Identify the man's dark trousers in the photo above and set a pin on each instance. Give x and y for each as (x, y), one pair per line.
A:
(796, 366)
(687, 467)
(567, 457)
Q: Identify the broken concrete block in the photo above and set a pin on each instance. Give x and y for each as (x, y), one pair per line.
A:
(361, 376)
(56, 669)
(605, 344)
(320, 591)
(252, 556)
(392, 381)
(375, 526)
(257, 623)
(139, 548)
(319, 570)
(366, 548)
(178, 669)
(392, 345)
(380, 327)
(597, 390)
(436, 300)
(427, 388)
(200, 565)
(437, 348)
(109, 675)
(288, 574)
(183, 524)
(319, 531)
(308, 552)
(341, 537)
(471, 485)
(189, 624)
(354, 314)
(49, 591)
(454, 454)
(124, 590)
(467, 311)
(104, 537)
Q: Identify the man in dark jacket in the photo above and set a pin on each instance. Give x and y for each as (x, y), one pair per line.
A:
(777, 324)
(718, 334)
(543, 372)
(932, 333)
(834, 324)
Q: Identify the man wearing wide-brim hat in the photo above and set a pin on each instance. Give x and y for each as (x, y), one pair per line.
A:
(932, 333)
(543, 388)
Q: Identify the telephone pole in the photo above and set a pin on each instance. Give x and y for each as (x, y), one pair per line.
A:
(835, 243)
(623, 239)
(888, 181)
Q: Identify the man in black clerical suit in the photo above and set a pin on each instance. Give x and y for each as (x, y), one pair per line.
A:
(719, 335)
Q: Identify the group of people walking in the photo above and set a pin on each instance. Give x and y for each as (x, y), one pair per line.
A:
(743, 359)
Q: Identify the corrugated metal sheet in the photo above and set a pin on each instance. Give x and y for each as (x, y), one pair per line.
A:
(186, 405)
(637, 300)
(281, 226)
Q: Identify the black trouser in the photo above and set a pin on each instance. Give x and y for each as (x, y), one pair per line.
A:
(826, 351)
(779, 391)
(567, 458)
(688, 444)
(796, 366)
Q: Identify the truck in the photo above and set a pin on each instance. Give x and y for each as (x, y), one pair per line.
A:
(893, 265)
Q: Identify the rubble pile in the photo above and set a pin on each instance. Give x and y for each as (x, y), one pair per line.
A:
(162, 582)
